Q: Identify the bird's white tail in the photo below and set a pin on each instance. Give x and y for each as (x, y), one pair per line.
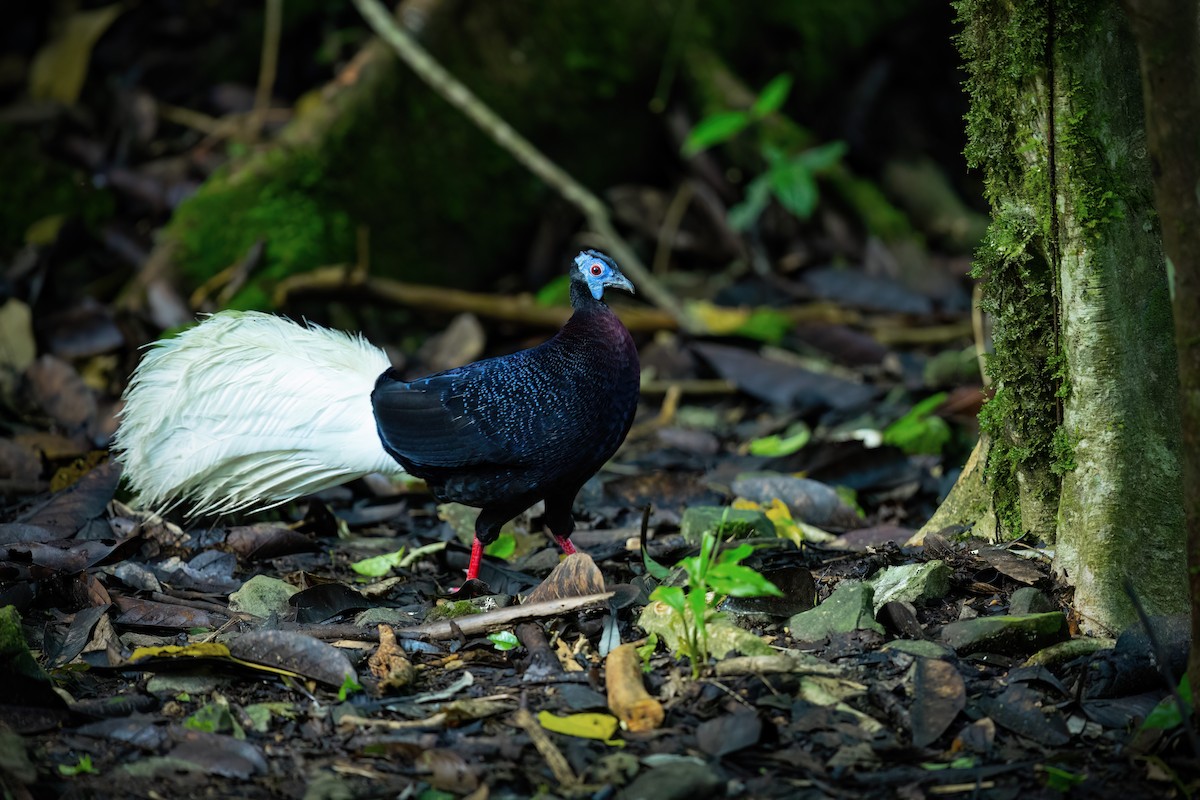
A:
(249, 410)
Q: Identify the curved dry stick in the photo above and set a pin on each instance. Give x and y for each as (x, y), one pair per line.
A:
(503, 134)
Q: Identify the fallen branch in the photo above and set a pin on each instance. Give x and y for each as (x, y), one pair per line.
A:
(889, 329)
(502, 617)
(519, 308)
(798, 663)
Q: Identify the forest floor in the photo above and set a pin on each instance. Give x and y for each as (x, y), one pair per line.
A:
(321, 650)
(327, 649)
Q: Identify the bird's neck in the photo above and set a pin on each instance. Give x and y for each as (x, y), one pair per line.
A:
(582, 300)
(592, 321)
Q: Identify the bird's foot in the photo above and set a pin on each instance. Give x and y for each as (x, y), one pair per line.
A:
(476, 559)
(565, 543)
(472, 567)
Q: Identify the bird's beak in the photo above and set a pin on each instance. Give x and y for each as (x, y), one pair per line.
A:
(620, 282)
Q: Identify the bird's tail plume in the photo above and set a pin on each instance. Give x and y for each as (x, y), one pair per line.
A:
(249, 410)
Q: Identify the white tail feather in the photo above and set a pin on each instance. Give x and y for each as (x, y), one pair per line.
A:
(249, 410)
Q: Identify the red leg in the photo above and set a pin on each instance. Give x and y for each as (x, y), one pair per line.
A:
(565, 543)
(476, 558)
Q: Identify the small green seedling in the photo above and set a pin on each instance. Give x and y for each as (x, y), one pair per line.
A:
(349, 687)
(790, 177)
(646, 651)
(504, 640)
(711, 577)
(81, 767)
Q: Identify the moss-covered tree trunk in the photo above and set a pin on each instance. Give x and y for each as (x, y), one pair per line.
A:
(1083, 430)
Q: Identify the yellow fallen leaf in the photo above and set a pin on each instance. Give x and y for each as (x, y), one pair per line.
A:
(60, 66)
(720, 320)
(787, 527)
(197, 650)
(148, 657)
(583, 726)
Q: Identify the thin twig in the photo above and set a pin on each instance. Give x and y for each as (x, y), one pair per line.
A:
(672, 219)
(541, 740)
(980, 334)
(267, 68)
(503, 134)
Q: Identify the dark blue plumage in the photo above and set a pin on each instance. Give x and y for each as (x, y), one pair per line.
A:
(504, 433)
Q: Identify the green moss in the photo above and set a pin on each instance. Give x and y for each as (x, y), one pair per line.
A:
(441, 202)
(452, 609)
(1063, 452)
(1004, 47)
(282, 202)
(1000, 471)
(1020, 418)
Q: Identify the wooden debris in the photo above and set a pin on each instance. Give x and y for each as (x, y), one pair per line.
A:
(627, 696)
(541, 740)
(502, 617)
(543, 663)
(389, 663)
(797, 663)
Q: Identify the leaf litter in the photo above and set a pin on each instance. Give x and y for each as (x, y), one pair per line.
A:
(813, 428)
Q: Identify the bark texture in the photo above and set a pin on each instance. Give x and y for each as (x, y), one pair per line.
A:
(1084, 450)
(1168, 39)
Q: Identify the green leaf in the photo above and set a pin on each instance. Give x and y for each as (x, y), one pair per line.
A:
(646, 651)
(672, 596)
(694, 568)
(555, 293)
(349, 686)
(1061, 780)
(795, 187)
(82, 766)
(735, 555)
(765, 325)
(378, 566)
(776, 446)
(698, 605)
(504, 640)
(736, 580)
(917, 432)
(714, 129)
(1166, 715)
(820, 159)
(746, 213)
(772, 96)
(503, 547)
(653, 568)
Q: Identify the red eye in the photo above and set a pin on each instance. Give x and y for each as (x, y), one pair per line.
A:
(597, 270)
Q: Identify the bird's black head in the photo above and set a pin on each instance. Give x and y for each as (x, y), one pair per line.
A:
(598, 272)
